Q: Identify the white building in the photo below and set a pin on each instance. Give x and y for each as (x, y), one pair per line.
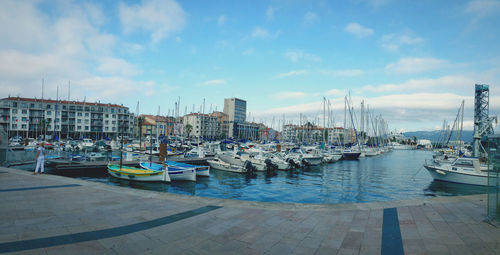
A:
(30, 117)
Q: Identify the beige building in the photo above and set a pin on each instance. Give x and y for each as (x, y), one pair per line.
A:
(203, 125)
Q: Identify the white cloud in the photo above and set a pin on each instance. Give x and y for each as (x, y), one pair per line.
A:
(335, 92)
(358, 30)
(117, 66)
(61, 48)
(270, 13)
(290, 95)
(454, 82)
(415, 65)
(412, 111)
(213, 83)
(343, 72)
(221, 20)
(310, 18)
(299, 55)
(483, 8)
(393, 42)
(291, 73)
(160, 17)
(259, 32)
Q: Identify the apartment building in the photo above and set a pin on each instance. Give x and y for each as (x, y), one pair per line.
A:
(31, 117)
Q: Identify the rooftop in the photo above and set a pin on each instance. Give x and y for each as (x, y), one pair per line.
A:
(25, 99)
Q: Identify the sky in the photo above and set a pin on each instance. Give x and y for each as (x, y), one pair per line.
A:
(412, 62)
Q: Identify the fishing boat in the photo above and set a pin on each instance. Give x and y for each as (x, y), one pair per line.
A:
(137, 174)
(462, 170)
(175, 173)
(200, 170)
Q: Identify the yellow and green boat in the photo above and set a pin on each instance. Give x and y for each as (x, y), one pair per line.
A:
(137, 174)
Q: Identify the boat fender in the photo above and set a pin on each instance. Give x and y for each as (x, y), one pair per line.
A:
(440, 172)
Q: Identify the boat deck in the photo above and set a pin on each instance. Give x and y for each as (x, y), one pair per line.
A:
(48, 214)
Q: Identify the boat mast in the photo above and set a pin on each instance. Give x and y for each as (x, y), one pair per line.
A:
(324, 122)
(462, 125)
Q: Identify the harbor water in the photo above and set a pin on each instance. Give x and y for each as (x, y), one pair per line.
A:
(396, 175)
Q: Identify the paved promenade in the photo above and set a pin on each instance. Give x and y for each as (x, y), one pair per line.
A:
(47, 214)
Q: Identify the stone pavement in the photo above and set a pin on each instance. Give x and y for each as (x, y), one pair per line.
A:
(47, 214)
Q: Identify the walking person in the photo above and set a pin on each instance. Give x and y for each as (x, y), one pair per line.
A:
(40, 158)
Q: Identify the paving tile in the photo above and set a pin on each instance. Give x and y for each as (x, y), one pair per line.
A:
(352, 240)
(345, 251)
(266, 241)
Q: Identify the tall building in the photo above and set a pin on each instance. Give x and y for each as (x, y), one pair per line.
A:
(31, 117)
(236, 109)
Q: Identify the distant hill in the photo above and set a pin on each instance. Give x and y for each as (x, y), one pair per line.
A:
(434, 135)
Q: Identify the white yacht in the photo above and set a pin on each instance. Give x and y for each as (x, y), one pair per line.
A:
(462, 170)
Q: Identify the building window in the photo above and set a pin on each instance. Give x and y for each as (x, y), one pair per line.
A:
(79, 121)
(86, 108)
(14, 110)
(48, 106)
(86, 121)
(32, 105)
(49, 113)
(23, 126)
(79, 114)
(106, 122)
(64, 107)
(114, 128)
(24, 111)
(79, 128)
(86, 127)
(87, 114)
(106, 128)
(106, 115)
(113, 122)
(14, 126)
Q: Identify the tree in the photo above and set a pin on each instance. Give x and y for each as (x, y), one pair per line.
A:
(188, 128)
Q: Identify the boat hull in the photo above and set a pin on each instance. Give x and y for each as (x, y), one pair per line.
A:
(350, 155)
(451, 176)
(181, 174)
(313, 161)
(200, 170)
(220, 165)
(131, 174)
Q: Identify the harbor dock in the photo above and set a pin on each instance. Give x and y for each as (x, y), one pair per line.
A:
(49, 214)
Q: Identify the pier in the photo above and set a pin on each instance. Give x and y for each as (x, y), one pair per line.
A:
(48, 214)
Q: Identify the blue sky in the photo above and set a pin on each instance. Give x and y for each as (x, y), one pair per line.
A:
(411, 61)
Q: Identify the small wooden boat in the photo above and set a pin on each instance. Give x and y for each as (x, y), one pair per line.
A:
(137, 174)
(200, 170)
(175, 173)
